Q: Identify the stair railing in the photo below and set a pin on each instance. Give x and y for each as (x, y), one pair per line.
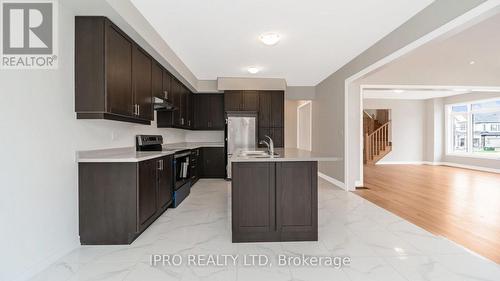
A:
(377, 141)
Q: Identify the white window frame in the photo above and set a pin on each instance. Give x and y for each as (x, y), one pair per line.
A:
(470, 129)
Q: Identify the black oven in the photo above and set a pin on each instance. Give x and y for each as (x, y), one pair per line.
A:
(182, 169)
(182, 185)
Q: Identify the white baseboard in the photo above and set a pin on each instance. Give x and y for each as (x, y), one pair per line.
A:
(48, 261)
(470, 167)
(401, 163)
(332, 180)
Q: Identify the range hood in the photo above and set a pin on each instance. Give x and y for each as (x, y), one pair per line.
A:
(162, 104)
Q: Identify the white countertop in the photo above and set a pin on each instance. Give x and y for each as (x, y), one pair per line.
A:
(286, 154)
(128, 154)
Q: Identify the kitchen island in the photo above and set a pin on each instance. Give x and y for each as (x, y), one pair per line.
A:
(275, 198)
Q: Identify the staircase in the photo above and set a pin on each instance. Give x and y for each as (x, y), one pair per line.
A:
(377, 143)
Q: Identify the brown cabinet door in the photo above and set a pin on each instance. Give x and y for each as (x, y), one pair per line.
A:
(165, 182)
(277, 109)
(157, 80)
(253, 201)
(120, 98)
(147, 191)
(233, 100)
(250, 101)
(167, 82)
(214, 162)
(201, 108)
(216, 112)
(176, 100)
(264, 109)
(141, 70)
(277, 136)
(296, 197)
(189, 110)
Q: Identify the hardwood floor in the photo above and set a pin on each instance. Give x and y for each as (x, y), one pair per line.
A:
(459, 204)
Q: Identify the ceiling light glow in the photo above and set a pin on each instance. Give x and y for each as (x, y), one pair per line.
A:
(472, 62)
(270, 38)
(253, 70)
(398, 91)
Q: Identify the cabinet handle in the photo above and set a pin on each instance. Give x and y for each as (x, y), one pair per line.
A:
(135, 109)
(138, 109)
(189, 122)
(165, 93)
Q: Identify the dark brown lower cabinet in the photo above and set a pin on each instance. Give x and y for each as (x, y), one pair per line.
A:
(274, 201)
(118, 201)
(213, 161)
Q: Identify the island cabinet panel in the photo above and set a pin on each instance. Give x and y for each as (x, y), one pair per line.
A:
(254, 209)
(274, 201)
(296, 185)
(118, 201)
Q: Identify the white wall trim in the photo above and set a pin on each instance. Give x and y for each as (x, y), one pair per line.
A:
(47, 261)
(472, 14)
(470, 167)
(307, 103)
(402, 163)
(450, 164)
(332, 180)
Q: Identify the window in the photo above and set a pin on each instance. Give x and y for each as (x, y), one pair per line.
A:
(474, 128)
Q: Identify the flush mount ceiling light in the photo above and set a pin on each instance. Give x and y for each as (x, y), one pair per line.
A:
(253, 70)
(472, 62)
(270, 38)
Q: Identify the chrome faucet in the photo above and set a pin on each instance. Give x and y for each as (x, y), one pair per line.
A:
(270, 145)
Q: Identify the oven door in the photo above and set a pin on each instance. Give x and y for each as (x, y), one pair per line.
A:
(182, 169)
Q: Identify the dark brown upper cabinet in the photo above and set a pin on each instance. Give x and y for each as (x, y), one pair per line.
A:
(167, 85)
(277, 109)
(233, 100)
(264, 109)
(113, 74)
(208, 110)
(157, 80)
(241, 100)
(141, 73)
(250, 101)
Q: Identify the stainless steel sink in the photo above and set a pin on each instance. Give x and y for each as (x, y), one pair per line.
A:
(253, 153)
(257, 154)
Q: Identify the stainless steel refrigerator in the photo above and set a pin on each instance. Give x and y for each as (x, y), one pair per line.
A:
(241, 133)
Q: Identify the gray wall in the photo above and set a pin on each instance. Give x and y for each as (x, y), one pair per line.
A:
(408, 128)
(328, 107)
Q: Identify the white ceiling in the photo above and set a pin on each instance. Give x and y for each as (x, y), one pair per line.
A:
(409, 94)
(219, 38)
(419, 92)
(447, 60)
